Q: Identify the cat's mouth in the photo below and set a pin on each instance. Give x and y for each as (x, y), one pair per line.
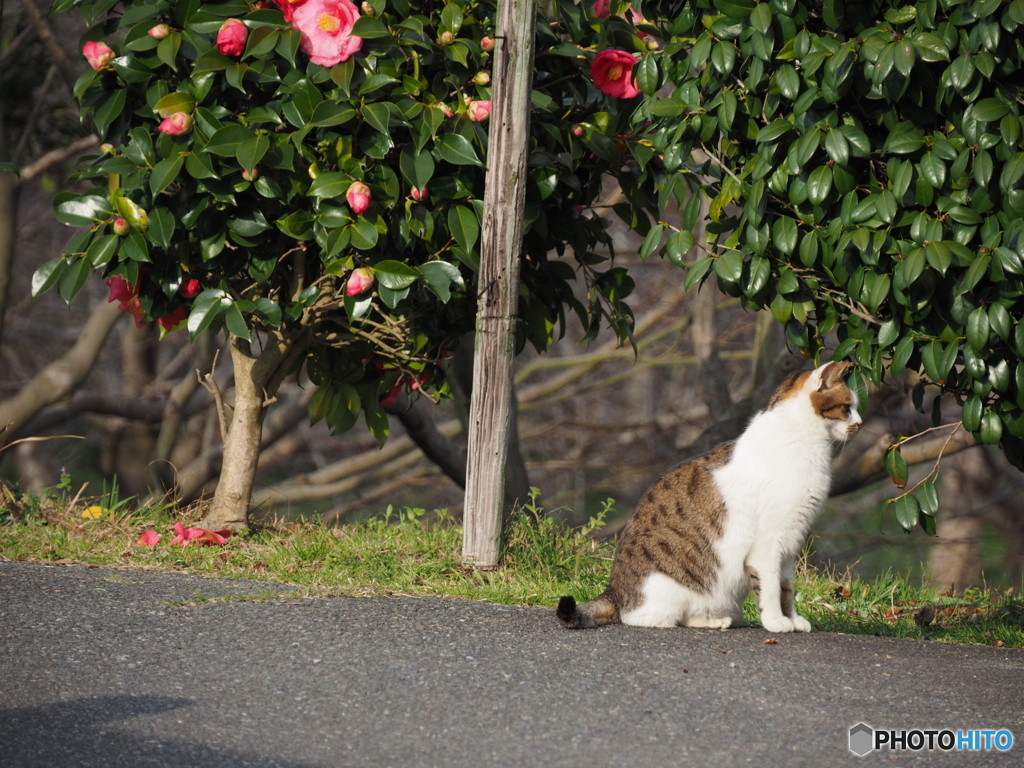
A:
(851, 429)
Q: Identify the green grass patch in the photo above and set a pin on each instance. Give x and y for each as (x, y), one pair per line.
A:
(412, 552)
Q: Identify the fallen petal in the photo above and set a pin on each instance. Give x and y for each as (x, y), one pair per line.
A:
(148, 539)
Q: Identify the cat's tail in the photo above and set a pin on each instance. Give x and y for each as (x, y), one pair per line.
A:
(592, 614)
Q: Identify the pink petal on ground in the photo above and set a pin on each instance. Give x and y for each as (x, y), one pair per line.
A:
(148, 539)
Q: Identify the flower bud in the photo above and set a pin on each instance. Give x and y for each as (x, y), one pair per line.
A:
(98, 54)
(120, 227)
(190, 288)
(177, 124)
(250, 175)
(479, 111)
(231, 37)
(577, 131)
(360, 281)
(358, 198)
(447, 38)
(443, 107)
(418, 194)
(487, 43)
(368, 9)
(652, 44)
(159, 32)
(482, 78)
(108, 149)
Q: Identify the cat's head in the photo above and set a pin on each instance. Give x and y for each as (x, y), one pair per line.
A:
(829, 396)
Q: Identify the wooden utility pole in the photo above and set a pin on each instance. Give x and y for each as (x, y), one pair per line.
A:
(501, 245)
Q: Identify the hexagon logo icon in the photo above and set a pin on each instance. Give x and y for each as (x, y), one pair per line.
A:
(862, 738)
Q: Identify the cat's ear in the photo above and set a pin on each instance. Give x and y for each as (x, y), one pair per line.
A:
(829, 375)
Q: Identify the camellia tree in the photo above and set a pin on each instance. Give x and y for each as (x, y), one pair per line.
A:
(865, 163)
(308, 176)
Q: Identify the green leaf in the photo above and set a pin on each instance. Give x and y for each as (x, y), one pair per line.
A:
(251, 151)
(651, 242)
(978, 329)
(363, 234)
(174, 102)
(819, 184)
(999, 321)
(646, 74)
(971, 414)
(74, 278)
(463, 225)
(235, 323)
(161, 227)
(395, 275)
(440, 275)
(328, 186)
(906, 510)
(991, 428)
(83, 211)
(102, 250)
(896, 466)
(456, 149)
(901, 354)
(989, 110)
(164, 173)
(47, 275)
(729, 266)
(928, 498)
(207, 307)
(227, 140)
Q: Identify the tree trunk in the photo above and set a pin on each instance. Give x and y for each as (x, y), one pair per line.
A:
(501, 245)
(257, 379)
(8, 234)
(230, 508)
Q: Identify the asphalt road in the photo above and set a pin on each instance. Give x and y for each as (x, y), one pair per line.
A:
(128, 668)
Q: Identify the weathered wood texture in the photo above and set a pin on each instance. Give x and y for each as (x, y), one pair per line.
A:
(501, 245)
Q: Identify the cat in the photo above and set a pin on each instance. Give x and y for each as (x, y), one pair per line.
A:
(735, 518)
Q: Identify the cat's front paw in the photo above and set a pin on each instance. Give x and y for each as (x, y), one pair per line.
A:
(777, 623)
(800, 624)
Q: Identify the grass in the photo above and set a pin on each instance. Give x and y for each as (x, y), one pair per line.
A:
(412, 552)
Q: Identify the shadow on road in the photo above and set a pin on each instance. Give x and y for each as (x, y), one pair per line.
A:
(90, 732)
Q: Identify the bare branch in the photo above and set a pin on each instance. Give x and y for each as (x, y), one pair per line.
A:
(209, 383)
(56, 157)
(48, 39)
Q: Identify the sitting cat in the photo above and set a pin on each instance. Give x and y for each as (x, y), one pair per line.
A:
(713, 527)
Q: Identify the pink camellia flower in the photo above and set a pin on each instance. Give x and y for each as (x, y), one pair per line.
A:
(177, 124)
(358, 197)
(231, 37)
(148, 539)
(360, 281)
(478, 111)
(173, 320)
(602, 8)
(612, 72)
(128, 297)
(98, 54)
(418, 194)
(190, 288)
(288, 8)
(326, 27)
(200, 536)
(159, 32)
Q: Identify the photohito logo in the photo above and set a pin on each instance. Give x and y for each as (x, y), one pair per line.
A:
(865, 739)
